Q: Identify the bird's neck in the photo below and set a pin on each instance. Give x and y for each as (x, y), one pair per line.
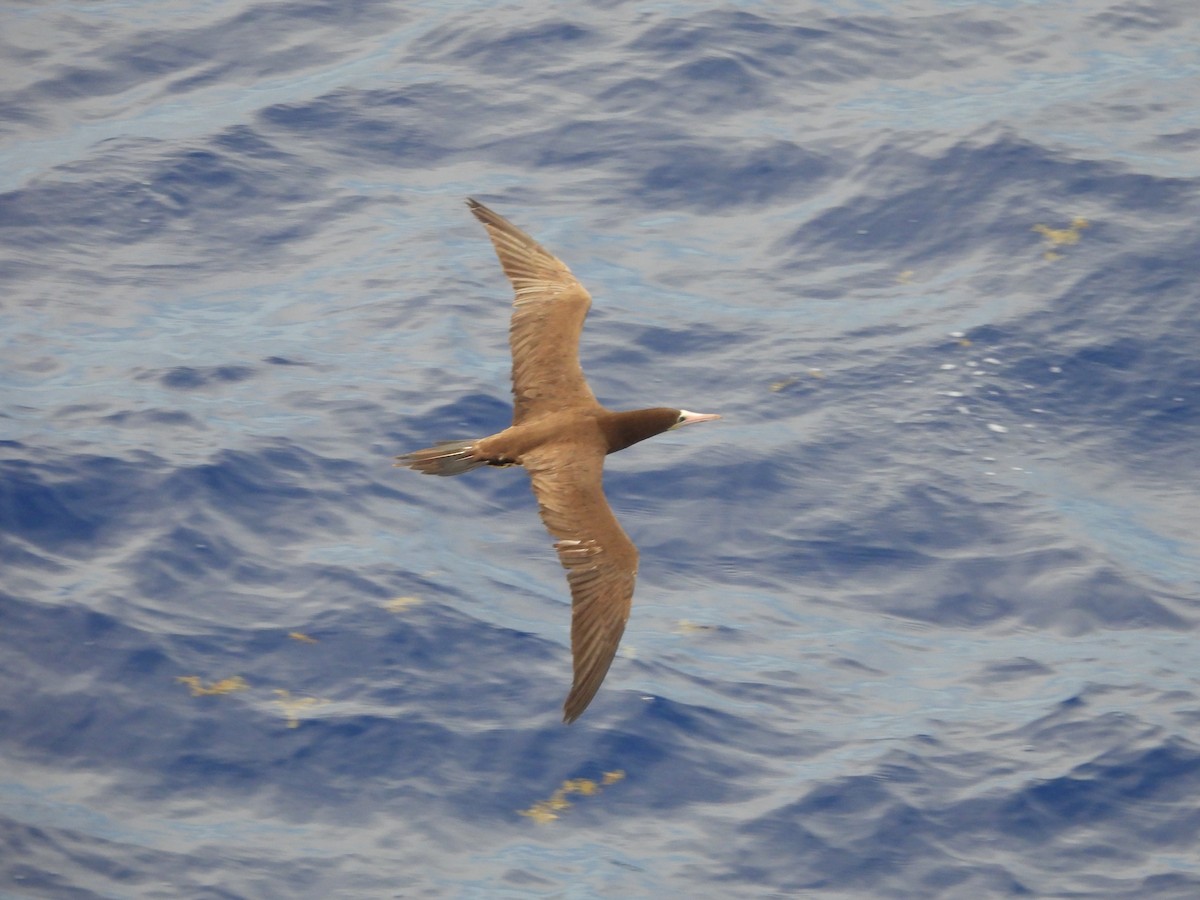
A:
(624, 429)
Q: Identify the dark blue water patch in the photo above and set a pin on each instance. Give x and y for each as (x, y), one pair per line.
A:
(1094, 802)
(855, 834)
(1008, 160)
(187, 561)
(827, 49)
(218, 746)
(1126, 19)
(54, 862)
(189, 378)
(630, 95)
(472, 415)
(75, 82)
(1013, 670)
(14, 114)
(115, 670)
(606, 143)
(979, 193)
(262, 481)
(822, 560)
(250, 198)
(927, 518)
(715, 85)
(679, 37)
(914, 547)
(516, 51)
(71, 505)
(1151, 280)
(366, 16)
(243, 141)
(1150, 390)
(822, 50)
(256, 42)
(676, 755)
(281, 495)
(80, 864)
(1107, 789)
(17, 272)
(1069, 589)
(1112, 350)
(429, 656)
(197, 171)
(648, 348)
(209, 745)
(640, 479)
(210, 76)
(861, 831)
(706, 177)
(151, 418)
(419, 125)
(211, 557)
(211, 180)
(1185, 141)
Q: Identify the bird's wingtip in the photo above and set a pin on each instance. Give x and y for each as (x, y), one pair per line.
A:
(482, 213)
(579, 699)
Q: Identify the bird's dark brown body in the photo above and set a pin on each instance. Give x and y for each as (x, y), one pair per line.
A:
(561, 434)
(588, 428)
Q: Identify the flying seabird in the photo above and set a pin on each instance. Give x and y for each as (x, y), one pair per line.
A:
(561, 434)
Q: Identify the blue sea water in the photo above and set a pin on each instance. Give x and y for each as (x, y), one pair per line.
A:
(916, 619)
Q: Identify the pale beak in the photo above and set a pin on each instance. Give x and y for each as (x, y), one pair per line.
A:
(687, 418)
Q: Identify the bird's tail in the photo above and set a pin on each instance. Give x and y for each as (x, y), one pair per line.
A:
(443, 458)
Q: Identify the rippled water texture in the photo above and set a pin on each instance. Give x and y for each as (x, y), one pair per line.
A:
(916, 619)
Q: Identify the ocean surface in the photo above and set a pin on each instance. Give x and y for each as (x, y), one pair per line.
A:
(917, 618)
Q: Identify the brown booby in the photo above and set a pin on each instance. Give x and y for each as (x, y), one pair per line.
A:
(561, 434)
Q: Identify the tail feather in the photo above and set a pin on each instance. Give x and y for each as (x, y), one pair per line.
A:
(443, 458)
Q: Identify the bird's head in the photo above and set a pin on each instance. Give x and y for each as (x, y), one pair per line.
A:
(624, 429)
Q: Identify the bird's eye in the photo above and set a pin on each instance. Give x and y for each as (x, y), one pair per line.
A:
(680, 419)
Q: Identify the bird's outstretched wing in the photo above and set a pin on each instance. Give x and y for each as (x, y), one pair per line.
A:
(548, 313)
(600, 559)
